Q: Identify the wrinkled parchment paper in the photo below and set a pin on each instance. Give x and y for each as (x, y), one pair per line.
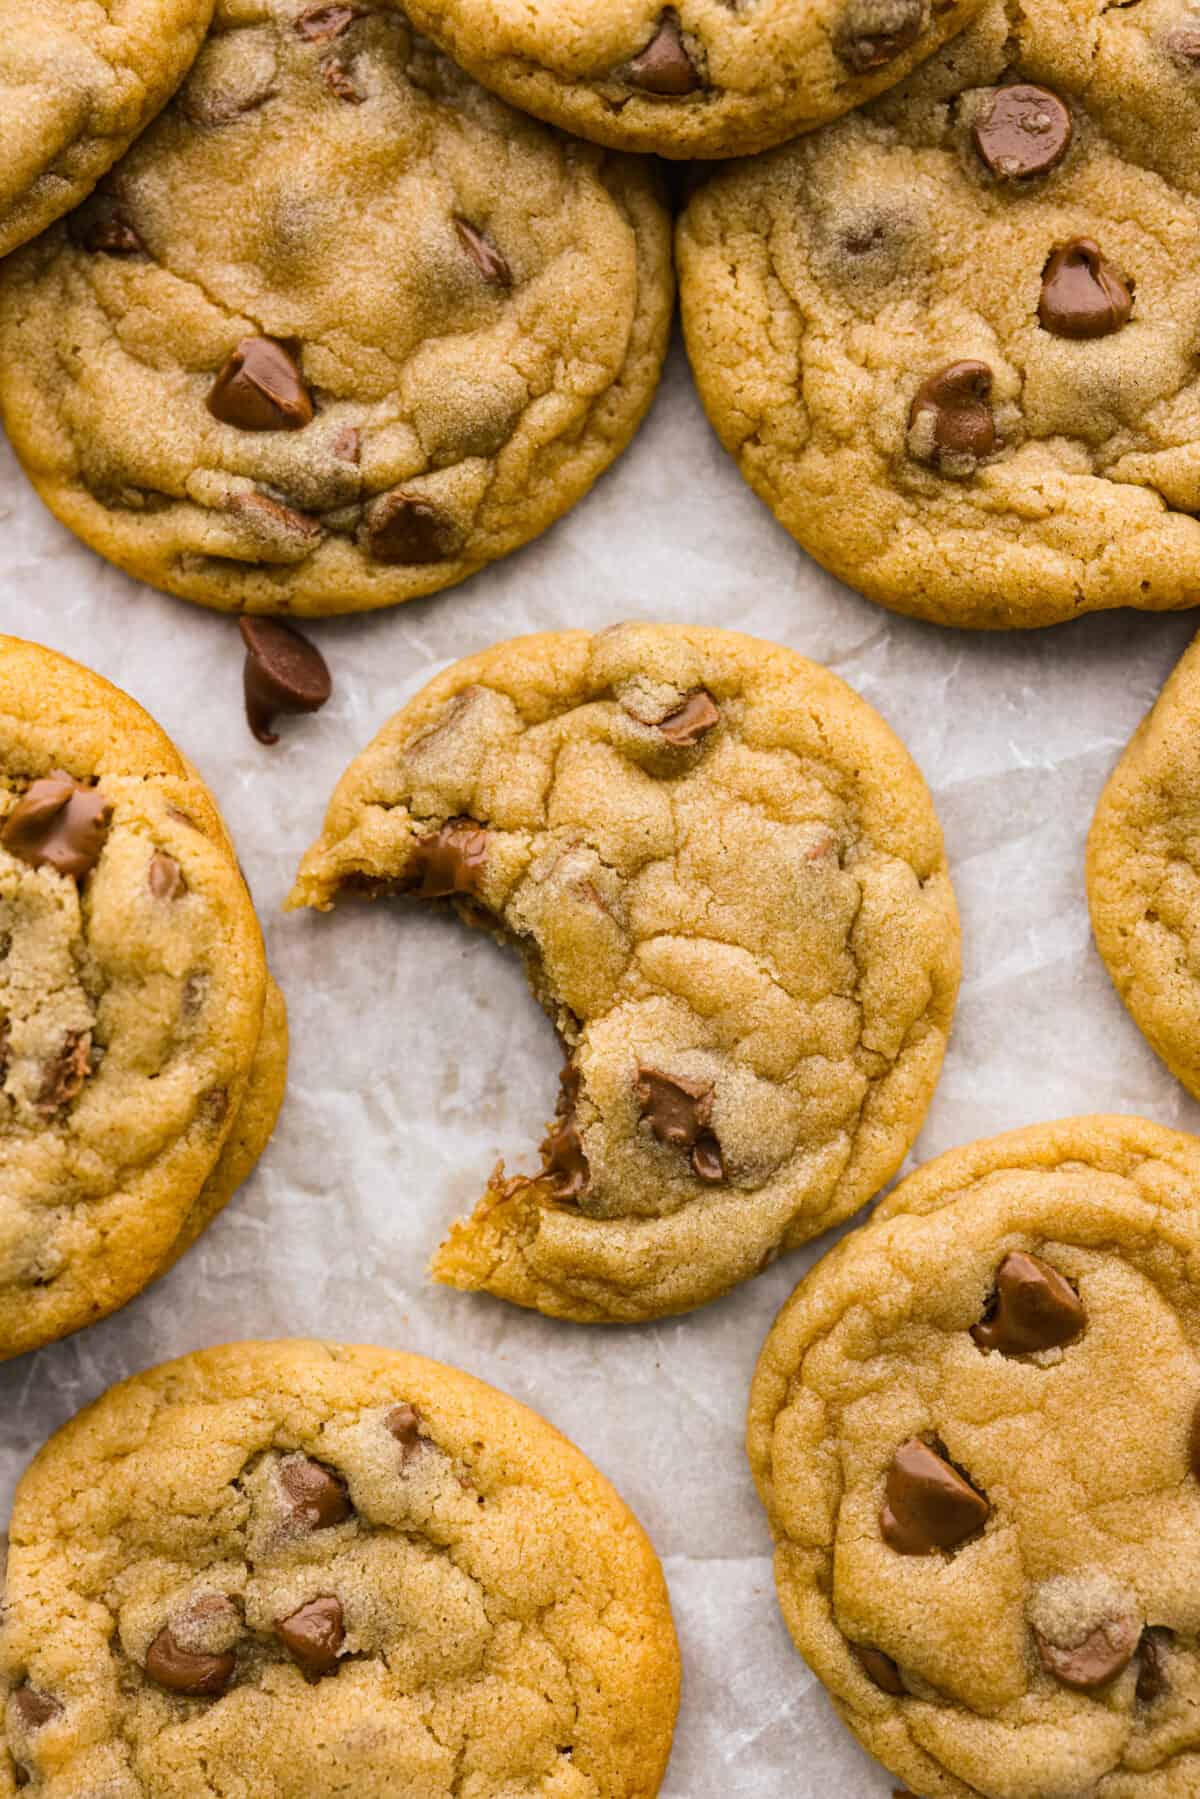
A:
(418, 1056)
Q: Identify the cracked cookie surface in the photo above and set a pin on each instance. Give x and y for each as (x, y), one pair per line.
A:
(304, 1570)
(143, 1045)
(1143, 874)
(951, 340)
(700, 78)
(339, 330)
(728, 884)
(974, 1428)
(78, 82)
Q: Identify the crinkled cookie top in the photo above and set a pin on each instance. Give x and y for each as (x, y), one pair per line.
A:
(78, 80)
(302, 1571)
(975, 1429)
(132, 993)
(728, 883)
(952, 339)
(341, 328)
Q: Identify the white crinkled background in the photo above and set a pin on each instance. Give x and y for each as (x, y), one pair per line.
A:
(418, 1056)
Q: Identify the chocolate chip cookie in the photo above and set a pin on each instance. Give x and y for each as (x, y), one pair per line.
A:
(339, 330)
(143, 1045)
(952, 339)
(1143, 874)
(77, 83)
(975, 1429)
(728, 884)
(700, 78)
(301, 1571)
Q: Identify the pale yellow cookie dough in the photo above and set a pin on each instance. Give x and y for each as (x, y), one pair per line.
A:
(299, 1570)
(728, 883)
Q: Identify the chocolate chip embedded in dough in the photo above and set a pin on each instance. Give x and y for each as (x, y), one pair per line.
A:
(1153, 1680)
(690, 722)
(318, 1496)
(874, 33)
(1023, 131)
(64, 1077)
(321, 24)
(1183, 45)
(102, 229)
(260, 388)
(564, 1161)
(406, 527)
(187, 1671)
(951, 414)
(35, 1708)
(679, 1112)
(340, 81)
(60, 824)
(1082, 294)
(314, 1634)
(164, 877)
(1035, 1309)
(347, 445)
(272, 519)
(484, 254)
(929, 1506)
(284, 672)
(448, 860)
(1104, 1653)
(880, 1669)
(404, 1423)
(664, 69)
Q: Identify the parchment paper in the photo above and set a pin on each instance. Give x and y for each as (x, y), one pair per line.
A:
(418, 1056)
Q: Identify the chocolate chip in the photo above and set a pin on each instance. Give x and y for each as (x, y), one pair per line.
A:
(165, 877)
(484, 254)
(101, 228)
(929, 1505)
(321, 24)
(314, 1634)
(448, 860)
(347, 445)
(319, 1498)
(406, 527)
(955, 402)
(60, 824)
(690, 722)
(260, 388)
(187, 1671)
(404, 1423)
(875, 32)
(284, 672)
(679, 1112)
(664, 69)
(35, 1708)
(1023, 131)
(1152, 1680)
(880, 1669)
(64, 1077)
(563, 1159)
(272, 517)
(1183, 45)
(1102, 1655)
(1035, 1308)
(339, 80)
(1082, 294)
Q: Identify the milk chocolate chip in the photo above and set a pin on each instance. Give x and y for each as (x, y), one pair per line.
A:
(1022, 131)
(64, 1077)
(690, 722)
(35, 1708)
(679, 1112)
(318, 1496)
(404, 1423)
(1102, 1655)
(1152, 1680)
(952, 410)
(321, 24)
(261, 388)
(58, 823)
(406, 527)
(875, 32)
(1035, 1308)
(187, 1671)
(340, 81)
(314, 1634)
(1082, 294)
(563, 1158)
(664, 69)
(101, 228)
(929, 1505)
(448, 860)
(880, 1669)
(284, 672)
(165, 877)
(484, 255)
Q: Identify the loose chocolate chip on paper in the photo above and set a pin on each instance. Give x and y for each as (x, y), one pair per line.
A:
(679, 1112)
(318, 1496)
(448, 860)
(35, 1708)
(284, 672)
(957, 401)
(406, 527)
(1095, 1662)
(928, 1505)
(260, 388)
(187, 1671)
(1035, 1309)
(1023, 131)
(321, 24)
(874, 33)
(690, 722)
(165, 877)
(1082, 294)
(487, 259)
(314, 1634)
(59, 823)
(880, 1669)
(664, 69)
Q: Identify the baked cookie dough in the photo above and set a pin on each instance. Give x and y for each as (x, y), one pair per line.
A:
(700, 78)
(974, 1427)
(78, 81)
(300, 1571)
(952, 340)
(1143, 874)
(339, 330)
(143, 1045)
(728, 884)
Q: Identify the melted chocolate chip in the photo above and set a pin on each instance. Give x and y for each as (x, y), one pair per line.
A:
(679, 1112)
(929, 1505)
(664, 69)
(880, 1669)
(313, 1635)
(35, 1708)
(957, 401)
(1102, 1655)
(448, 860)
(1035, 1309)
(164, 877)
(563, 1159)
(260, 388)
(1152, 1680)
(101, 228)
(259, 509)
(404, 1423)
(186, 1671)
(1183, 45)
(874, 33)
(340, 81)
(321, 24)
(484, 254)
(347, 445)
(318, 1495)
(64, 1077)
(1023, 131)
(406, 527)
(1082, 294)
(60, 824)
(284, 672)
(691, 721)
